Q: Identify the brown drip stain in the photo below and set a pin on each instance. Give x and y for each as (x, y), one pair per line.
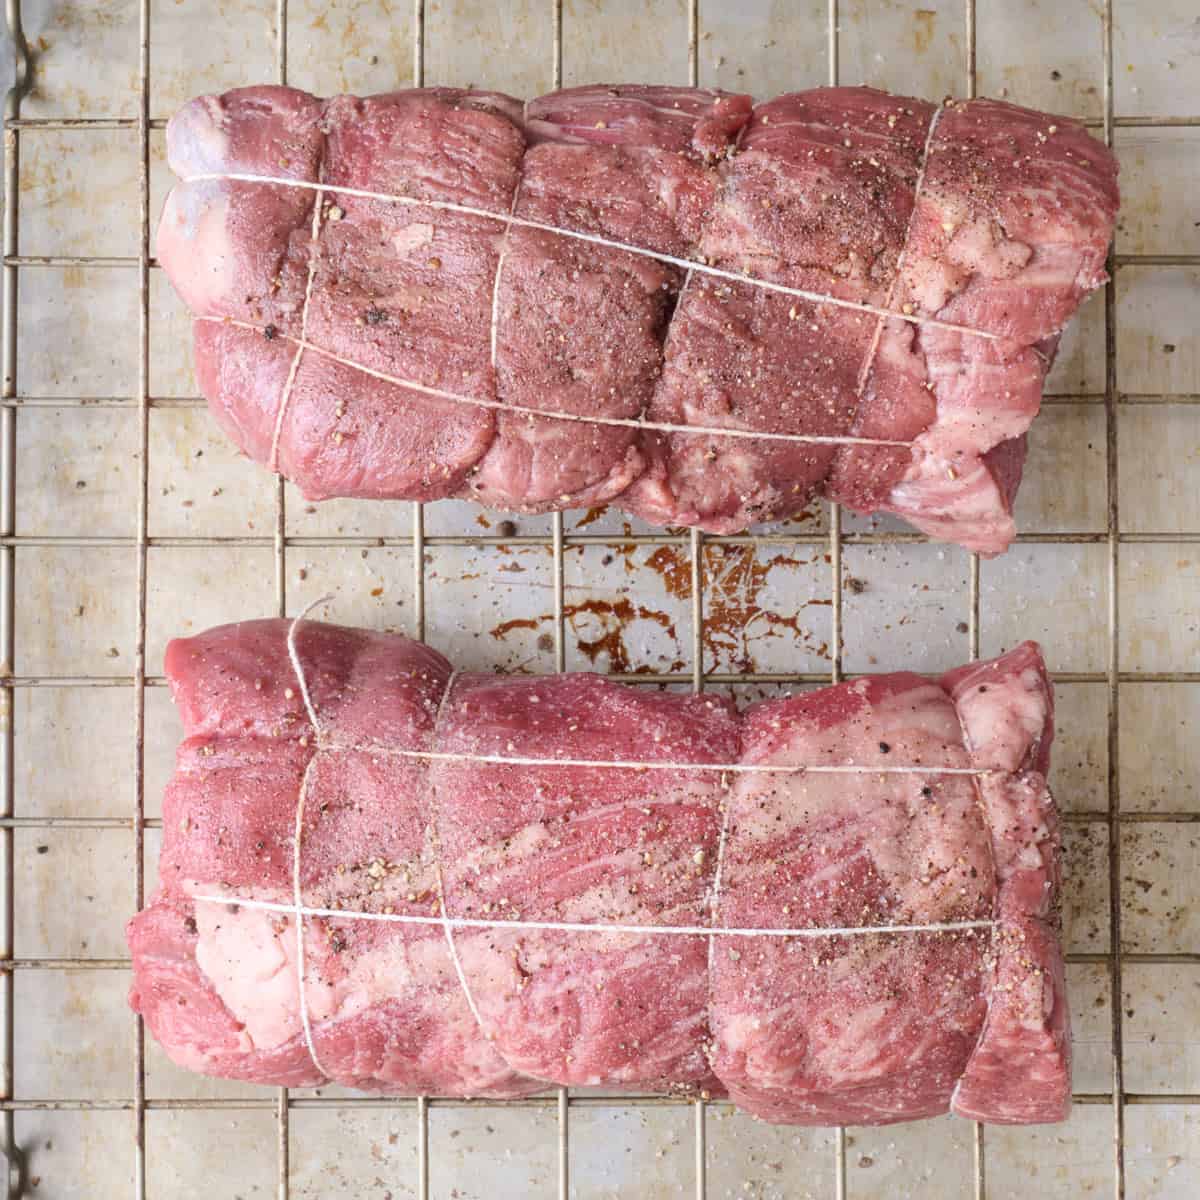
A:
(735, 615)
(674, 568)
(592, 514)
(923, 28)
(735, 577)
(506, 627)
(614, 616)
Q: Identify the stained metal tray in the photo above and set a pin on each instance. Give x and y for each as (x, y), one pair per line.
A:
(126, 518)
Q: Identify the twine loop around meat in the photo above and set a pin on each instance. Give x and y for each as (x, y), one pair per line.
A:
(509, 219)
(324, 743)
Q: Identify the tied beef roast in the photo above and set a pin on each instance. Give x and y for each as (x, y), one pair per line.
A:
(836, 1027)
(340, 334)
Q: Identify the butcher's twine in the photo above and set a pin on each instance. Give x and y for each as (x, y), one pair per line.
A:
(324, 744)
(443, 907)
(596, 239)
(289, 383)
(494, 331)
(436, 393)
(864, 373)
(691, 266)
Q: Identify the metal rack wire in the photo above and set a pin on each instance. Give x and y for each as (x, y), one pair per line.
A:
(563, 1104)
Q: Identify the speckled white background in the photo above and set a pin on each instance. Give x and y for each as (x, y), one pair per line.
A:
(627, 606)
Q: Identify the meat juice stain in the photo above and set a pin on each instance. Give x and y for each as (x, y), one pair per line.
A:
(734, 577)
(502, 630)
(592, 514)
(614, 616)
(674, 569)
(923, 28)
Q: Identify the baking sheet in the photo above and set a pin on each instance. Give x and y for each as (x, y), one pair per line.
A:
(627, 604)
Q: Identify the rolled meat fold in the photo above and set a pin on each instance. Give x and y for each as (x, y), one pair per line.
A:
(444, 292)
(505, 884)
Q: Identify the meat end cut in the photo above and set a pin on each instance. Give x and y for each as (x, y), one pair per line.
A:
(485, 831)
(567, 302)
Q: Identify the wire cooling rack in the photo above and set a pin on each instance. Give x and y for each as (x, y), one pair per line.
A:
(1113, 535)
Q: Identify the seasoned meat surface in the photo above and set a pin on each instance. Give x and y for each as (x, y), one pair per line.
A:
(415, 278)
(488, 829)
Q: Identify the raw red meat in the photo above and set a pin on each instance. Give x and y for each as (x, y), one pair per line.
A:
(818, 197)
(847, 1027)
(977, 214)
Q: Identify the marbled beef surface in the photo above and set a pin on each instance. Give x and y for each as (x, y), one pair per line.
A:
(836, 1028)
(977, 214)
